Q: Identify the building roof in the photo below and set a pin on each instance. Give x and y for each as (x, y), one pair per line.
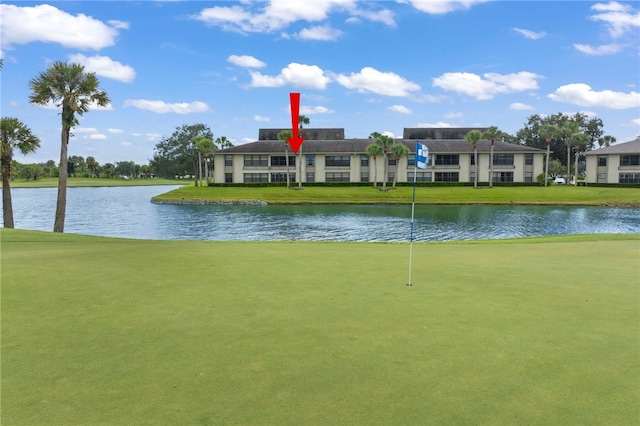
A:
(438, 132)
(359, 146)
(631, 147)
(310, 133)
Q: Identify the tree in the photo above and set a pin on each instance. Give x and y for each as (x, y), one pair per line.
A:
(385, 143)
(579, 140)
(283, 136)
(75, 164)
(302, 119)
(473, 136)
(492, 133)
(547, 132)
(69, 87)
(13, 135)
(205, 147)
(92, 165)
(373, 150)
(398, 150)
(568, 129)
(127, 169)
(177, 155)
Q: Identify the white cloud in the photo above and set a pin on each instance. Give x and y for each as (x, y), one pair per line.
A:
(297, 75)
(93, 106)
(152, 136)
(636, 121)
(115, 131)
(400, 109)
(105, 67)
(97, 136)
(322, 33)
(488, 87)
(88, 133)
(453, 115)
(161, 107)
(305, 110)
(437, 7)
(532, 35)
(374, 81)
(45, 23)
(85, 130)
(605, 49)
(246, 61)
(519, 106)
(583, 95)
(260, 118)
(619, 18)
(436, 124)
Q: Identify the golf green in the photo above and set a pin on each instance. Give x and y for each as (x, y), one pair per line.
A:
(113, 331)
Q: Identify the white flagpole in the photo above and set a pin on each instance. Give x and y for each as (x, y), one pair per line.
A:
(413, 209)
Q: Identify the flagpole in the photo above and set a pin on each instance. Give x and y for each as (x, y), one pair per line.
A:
(413, 210)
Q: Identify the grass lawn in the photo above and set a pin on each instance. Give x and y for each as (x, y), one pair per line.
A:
(112, 331)
(77, 182)
(552, 195)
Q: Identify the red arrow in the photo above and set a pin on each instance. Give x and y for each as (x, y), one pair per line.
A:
(295, 141)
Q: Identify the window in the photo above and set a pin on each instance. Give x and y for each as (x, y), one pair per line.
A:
(447, 176)
(228, 178)
(364, 177)
(528, 176)
(255, 160)
(447, 160)
(503, 176)
(337, 161)
(629, 178)
(630, 160)
(311, 177)
(228, 160)
(337, 176)
(364, 161)
(420, 177)
(281, 160)
(503, 159)
(391, 160)
(528, 159)
(602, 160)
(311, 161)
(256, 177)
(282, 177)
(602, 178)
(391, 176)
(473, 160)
(472, 176)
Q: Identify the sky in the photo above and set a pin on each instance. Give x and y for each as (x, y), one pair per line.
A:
(365, 66)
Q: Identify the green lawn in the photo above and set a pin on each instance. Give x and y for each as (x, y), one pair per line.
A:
(557, 194)
(112, 331)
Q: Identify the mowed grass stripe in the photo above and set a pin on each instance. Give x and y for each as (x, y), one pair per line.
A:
(111, 331)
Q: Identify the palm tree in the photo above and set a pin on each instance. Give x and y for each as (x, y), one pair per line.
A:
(13, 134)
(492, 133)
(69, 87)
(473, 136)
(283, 136)
(398, 150)
(302, 119)
(579, 140)
(548, 132)
(385, 143)
(206, 147)
(568, 129)
(373, 150)
(606, 141)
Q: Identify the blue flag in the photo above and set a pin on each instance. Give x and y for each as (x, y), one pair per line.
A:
(422, 155)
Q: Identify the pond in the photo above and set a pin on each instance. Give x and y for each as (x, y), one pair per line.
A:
(127, 212)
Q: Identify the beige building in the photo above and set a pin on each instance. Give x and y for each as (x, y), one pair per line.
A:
(328, 157)
(619, 163)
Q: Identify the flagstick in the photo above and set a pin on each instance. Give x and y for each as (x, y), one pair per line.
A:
(413, 209)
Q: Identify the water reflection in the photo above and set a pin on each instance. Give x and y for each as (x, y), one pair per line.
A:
(127, 212)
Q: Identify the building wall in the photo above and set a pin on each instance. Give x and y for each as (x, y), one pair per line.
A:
(320, 169)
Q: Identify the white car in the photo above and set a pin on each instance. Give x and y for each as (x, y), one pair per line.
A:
(559, 181)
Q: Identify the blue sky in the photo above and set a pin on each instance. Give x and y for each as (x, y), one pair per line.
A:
(363, 66)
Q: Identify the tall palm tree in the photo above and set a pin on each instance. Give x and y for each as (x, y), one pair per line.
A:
(568, 129)
(548, 132)
(492, 133)
(205, 147)
(373, 150)
(579, 140)
(69, 87)
(302, 119)
(14, 135)
(473, 136)
(385, 143)
(283, 136)
(398, 150)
